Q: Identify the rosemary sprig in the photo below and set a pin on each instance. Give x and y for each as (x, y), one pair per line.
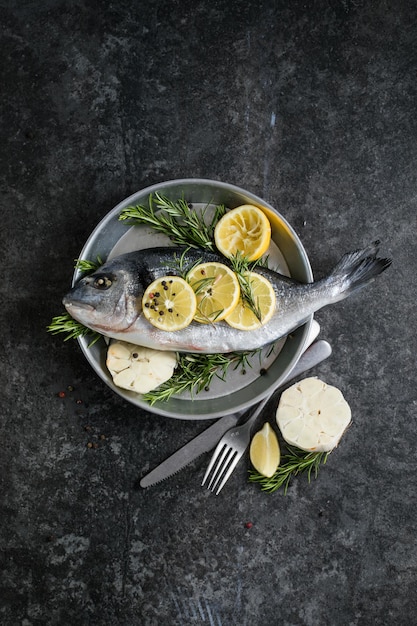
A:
(177, 220)
(86, 267)
(195, 372)
(71, 328)
(241, 266)
(292, 464)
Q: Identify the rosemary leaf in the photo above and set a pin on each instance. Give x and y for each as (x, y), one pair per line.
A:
(241, 266)
(292, 464)
(71, 328)
(86, 267)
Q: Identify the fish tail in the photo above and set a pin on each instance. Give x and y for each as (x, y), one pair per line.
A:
(357, 269)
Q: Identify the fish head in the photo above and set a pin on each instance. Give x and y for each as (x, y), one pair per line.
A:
(107, 300)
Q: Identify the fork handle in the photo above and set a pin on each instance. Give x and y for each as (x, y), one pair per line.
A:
(250, 420)
(314, 355)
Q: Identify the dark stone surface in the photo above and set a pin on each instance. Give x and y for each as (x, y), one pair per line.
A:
(311, 105)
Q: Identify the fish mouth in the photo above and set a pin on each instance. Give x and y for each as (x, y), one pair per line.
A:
(74, 304)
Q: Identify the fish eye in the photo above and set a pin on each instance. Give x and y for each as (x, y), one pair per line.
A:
(102, 282)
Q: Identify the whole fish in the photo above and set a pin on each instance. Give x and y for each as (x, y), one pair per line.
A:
(109, 300)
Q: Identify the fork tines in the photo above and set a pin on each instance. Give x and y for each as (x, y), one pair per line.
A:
(223, 462)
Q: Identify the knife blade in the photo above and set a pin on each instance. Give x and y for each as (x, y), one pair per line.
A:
(206, 441)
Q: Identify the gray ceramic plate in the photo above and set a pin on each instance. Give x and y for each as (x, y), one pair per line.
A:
(112, 237)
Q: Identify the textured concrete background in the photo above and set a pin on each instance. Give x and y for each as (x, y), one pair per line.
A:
(311, 105)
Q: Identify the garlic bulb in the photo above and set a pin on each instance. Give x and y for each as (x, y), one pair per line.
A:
(139, 369)
(312, 415)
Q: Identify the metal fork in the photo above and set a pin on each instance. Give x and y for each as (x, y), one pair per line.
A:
(230, 450)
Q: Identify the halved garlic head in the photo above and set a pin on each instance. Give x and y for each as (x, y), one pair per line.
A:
(139, 369)
(312, 415)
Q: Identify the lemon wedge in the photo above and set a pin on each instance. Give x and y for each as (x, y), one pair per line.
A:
(169, 303)
(264, 451)
(245, 229)
(263, 296)
(217, 290)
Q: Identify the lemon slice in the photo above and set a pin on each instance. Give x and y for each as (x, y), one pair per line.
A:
(169, 303)
(243, 317)
(246, 229)
(264, 451)
(217, 290)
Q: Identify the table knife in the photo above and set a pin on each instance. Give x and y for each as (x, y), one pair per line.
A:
(202, 443)
(207, 440)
